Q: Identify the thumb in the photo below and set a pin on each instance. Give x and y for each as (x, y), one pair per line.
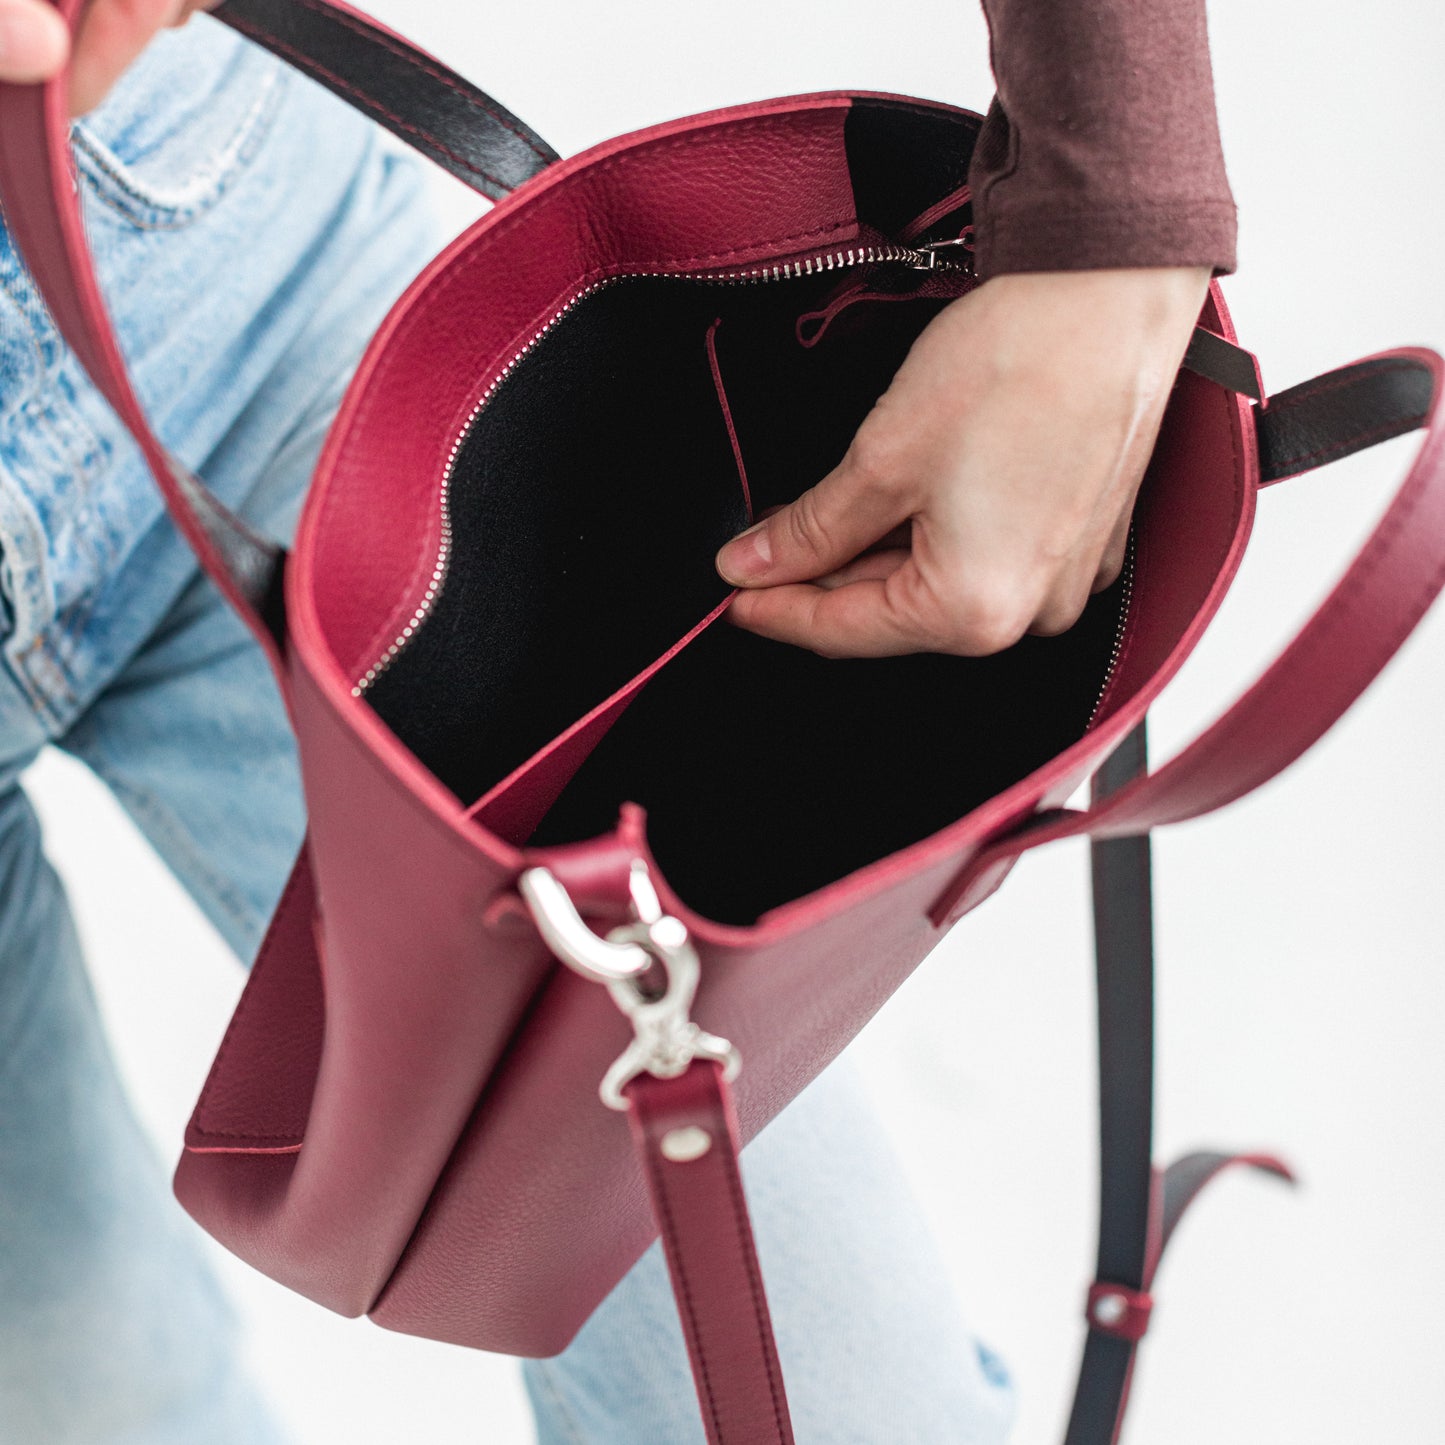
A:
(34, 42)
(826, 528)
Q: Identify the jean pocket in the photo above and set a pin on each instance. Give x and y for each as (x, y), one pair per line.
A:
(181, 126)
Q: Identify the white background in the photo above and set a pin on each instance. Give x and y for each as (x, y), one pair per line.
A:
(1302, 999)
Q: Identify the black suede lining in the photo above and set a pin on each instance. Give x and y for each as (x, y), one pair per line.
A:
(587, 505)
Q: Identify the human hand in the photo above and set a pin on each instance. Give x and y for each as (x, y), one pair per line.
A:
(989, 491)
(35, 44)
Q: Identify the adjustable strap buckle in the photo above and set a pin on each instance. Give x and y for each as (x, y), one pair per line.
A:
(629, 960)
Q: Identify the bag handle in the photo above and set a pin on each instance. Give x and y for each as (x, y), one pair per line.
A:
(1359, 627)
(416, 97)
(427, 105)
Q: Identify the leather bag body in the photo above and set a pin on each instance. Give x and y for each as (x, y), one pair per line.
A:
(434, 1123)
(498, 636)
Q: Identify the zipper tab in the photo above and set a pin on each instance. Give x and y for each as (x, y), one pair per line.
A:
(930, 260)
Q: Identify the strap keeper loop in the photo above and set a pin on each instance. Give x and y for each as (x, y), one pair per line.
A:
(1118, 1311)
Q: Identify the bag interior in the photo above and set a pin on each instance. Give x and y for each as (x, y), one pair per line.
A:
(587, 505)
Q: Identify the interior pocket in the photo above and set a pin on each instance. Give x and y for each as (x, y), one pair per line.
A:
(589, 503)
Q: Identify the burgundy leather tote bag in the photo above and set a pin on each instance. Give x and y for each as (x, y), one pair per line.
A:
(568, 830)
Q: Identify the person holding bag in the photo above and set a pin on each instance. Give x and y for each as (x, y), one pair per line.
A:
(950, 526)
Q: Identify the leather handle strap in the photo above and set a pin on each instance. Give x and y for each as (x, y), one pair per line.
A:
(420, 100)
(1359, 627)
(687, 1139)
(448, 120)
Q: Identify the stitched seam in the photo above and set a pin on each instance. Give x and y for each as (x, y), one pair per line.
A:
(367, 102)
(722, 397)
(469, 95)
(755, 1283)
(1308, 392)
(1398, 426)
(1131, 634)
(268, 949)
(206, 189)
(665, 1208)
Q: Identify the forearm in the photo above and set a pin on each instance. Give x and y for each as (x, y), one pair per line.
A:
(1102, 148)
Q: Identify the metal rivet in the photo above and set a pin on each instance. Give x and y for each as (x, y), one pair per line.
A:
(1110, 1309)
(684, 1145)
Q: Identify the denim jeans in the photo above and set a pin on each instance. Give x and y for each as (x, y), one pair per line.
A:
(250, 234)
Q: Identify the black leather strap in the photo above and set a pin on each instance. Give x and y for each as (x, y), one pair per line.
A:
(1124, 951)
(1139, 1207)
(1216, 359)
(1341, 412)
(414, 96)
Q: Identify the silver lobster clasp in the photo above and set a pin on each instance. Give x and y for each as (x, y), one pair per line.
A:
(629, 961)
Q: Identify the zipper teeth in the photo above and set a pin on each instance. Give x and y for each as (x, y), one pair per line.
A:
(1117, 651)
(839, 260)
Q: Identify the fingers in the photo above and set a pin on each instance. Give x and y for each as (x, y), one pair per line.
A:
(34, 42)
(885, 605)
(1089, 574)
(1111, 564)
(825, 529)
(1012, 440)
(852, 620)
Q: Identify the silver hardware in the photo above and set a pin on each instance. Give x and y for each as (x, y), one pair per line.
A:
(931, 261)
(597, 959)
(1110, 1309)
(666, 1039)
(682, 1146)
(1117, 651)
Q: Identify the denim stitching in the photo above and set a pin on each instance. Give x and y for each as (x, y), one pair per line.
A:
(113, 183)
(86, 452)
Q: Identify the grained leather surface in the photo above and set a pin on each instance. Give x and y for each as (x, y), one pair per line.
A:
(457, 1175)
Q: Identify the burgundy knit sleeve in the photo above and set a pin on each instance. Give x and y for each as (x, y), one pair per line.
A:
(1101, 148)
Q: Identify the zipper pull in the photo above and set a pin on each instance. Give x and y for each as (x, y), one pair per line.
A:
(930, 260)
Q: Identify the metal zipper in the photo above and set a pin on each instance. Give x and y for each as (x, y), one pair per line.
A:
(929, 256)
(1117, 651)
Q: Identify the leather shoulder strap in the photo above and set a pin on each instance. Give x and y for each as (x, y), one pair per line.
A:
(401, 87)
(1359, 627)
(687, 1139)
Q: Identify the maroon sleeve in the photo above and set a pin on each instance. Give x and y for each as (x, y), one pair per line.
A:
(1101, 148)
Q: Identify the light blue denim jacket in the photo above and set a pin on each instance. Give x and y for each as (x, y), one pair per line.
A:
(244, 160)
